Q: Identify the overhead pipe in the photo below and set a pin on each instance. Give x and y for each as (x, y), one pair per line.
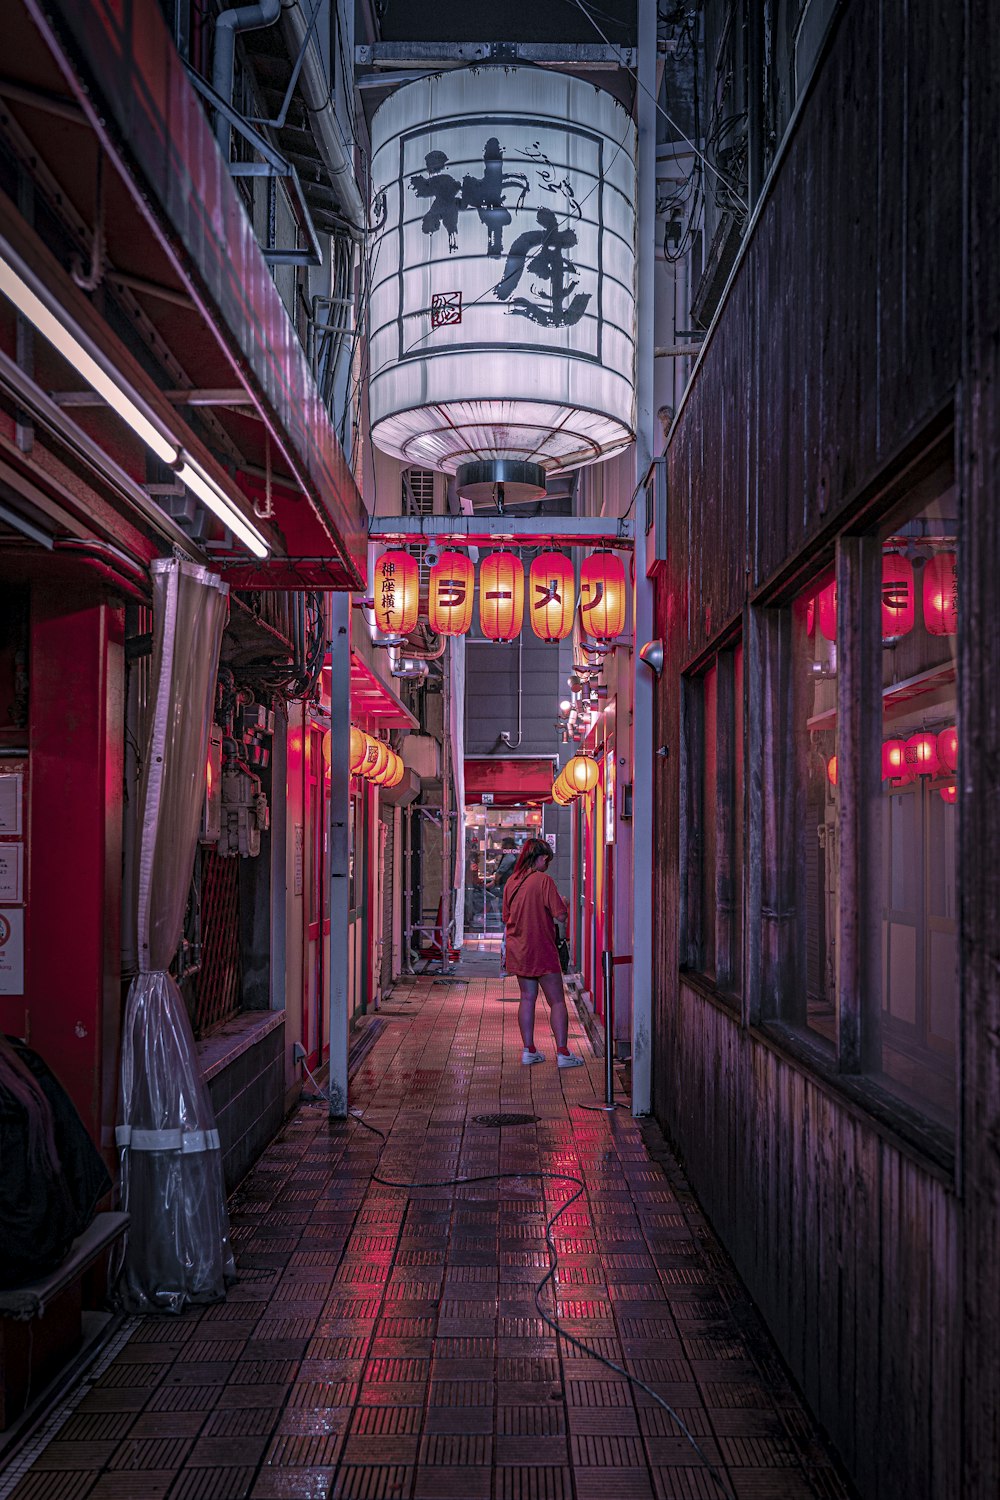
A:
(337, 153)
(227, 24)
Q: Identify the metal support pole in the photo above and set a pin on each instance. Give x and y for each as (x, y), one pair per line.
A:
(340, 795)
(642, 686)
(446, 872)
(407, 963)
(608, 974)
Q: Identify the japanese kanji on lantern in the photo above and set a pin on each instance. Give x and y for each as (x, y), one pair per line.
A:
(396, 593)
(898, 611)
(501, 596)
(503, 301)
(941, 594)
(602, 596)
(450, 594)
(551, 596)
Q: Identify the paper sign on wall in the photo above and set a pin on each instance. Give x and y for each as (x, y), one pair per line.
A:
(11, 872)
(11, 790)
(11, 951)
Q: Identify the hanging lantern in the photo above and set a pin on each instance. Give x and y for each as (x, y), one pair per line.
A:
(326, 748)
(501, 596)
(359, 744)
(562, 786)
(396, 591)
(551, 596)
(894, 760)
(898, 606)
(941, 594)
(921, 753)
(559, 795)
(450, 589)
(581, 773)
(376, 758)
(397, 770)
(831, 770)
(602, 596)
(947, 749)
(949, 793)
(827, 610)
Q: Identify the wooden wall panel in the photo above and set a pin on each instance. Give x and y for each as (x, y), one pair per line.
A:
(847, 1245)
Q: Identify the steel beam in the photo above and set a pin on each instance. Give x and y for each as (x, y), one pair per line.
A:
(519, 531)
(437, 55)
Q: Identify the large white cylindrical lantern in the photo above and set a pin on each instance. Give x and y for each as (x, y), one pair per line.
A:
(503, 306)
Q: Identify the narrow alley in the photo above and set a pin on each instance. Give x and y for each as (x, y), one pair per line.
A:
(385, 1341)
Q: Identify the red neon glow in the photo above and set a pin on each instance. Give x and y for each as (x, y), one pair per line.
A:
(827, 610)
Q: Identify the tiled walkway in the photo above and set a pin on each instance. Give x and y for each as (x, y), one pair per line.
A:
(384, 1341)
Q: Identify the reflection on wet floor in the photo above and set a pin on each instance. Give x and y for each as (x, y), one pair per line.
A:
(385, 1341)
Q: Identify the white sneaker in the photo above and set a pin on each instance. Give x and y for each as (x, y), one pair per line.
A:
(528, 1057)
(569, 1060)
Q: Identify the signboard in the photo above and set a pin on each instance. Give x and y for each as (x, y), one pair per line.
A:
(11, 797)
(487, 799)
(12, 950)
(11, 872)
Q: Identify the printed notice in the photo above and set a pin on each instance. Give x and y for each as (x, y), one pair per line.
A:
(11, 788)
(11, 872)
(12, 950)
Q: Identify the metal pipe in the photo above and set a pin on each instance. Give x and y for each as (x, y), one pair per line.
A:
(337, 152)
(608, 974)
(227, 24)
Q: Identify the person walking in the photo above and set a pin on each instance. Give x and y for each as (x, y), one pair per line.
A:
(532, 906)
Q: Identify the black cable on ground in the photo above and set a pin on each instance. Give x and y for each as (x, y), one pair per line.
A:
(549, 1276)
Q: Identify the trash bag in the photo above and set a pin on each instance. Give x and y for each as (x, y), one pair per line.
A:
(52, 1176)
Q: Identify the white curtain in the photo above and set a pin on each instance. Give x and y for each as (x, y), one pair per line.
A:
(178, 1249)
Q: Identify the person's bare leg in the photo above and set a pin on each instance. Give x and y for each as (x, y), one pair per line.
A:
(526, 1012)
(552, 989)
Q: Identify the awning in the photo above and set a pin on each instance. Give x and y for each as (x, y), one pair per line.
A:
(374, 702)
(510, 781)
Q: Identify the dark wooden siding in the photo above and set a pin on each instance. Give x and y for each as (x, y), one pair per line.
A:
(840, 344)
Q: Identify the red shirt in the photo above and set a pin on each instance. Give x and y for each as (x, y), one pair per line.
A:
(531, 906)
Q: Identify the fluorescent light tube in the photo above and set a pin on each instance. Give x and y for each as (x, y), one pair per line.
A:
(220, 505)
(48, 324)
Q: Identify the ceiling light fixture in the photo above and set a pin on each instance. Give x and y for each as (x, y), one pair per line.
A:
(42, 312)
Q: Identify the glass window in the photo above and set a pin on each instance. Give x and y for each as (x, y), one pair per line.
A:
(813, 878)
(715, 821)
(920, 746)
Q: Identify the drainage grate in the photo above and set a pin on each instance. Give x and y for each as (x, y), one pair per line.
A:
(504, 1119)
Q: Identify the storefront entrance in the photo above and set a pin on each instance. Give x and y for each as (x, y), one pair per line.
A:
(493, 837)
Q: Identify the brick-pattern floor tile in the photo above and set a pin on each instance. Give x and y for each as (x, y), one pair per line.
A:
(385, 1343)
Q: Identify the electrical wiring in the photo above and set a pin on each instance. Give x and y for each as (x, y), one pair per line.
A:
(549, 1318)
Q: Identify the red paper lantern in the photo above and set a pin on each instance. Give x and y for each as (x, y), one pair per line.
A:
(921, 753)
(397, 593)
(894, 760)
(501, 596)
(451, 587)
(947, 749)
(949, 793)
(831, 770)
(827, 610)
(941, 594)
(898, 605)
(551, 596)
(602, 595)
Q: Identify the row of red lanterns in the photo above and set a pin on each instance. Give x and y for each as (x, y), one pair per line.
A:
(940, 597)
(551, 595)
(923, 754)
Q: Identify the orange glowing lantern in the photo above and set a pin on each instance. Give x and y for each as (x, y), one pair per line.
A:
(501, 596)
(450, 589)
(831, 770)
(827, 611)
(560, 795)
(326, 748)
(949, 793)
(359, 744)
(396, 593)
(581, 773)
(941, 594)
(376, 758)
(921, 753)
(947, 749)
(551, 596)
(602, 595)
(397, 770)
(894, 760)
(898, 604)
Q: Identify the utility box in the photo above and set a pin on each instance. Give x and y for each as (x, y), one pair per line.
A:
(422, 754)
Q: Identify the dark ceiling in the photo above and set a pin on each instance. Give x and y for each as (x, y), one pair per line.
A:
(506, 21)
